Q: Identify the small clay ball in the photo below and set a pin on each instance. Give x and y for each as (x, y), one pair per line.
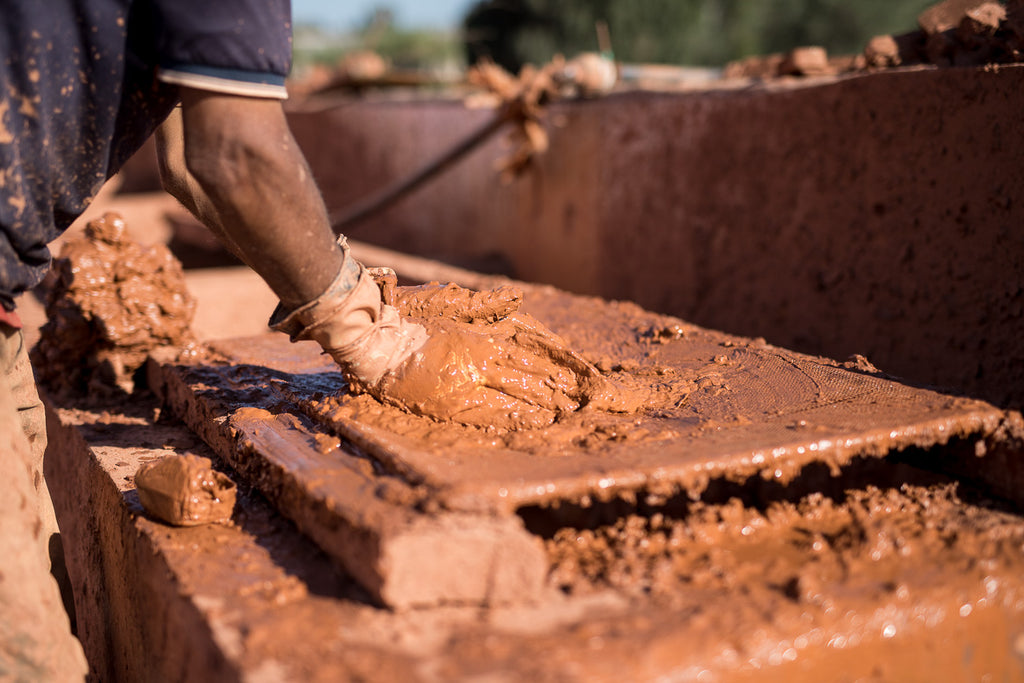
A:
(185, 490)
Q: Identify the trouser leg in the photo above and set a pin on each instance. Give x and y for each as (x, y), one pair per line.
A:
(14, 364)
(36, 643)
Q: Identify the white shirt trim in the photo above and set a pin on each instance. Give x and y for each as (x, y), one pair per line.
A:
(223, 85)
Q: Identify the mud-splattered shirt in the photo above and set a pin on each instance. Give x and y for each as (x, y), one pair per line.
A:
(83, 84)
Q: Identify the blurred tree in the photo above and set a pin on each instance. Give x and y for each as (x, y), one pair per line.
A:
(380, 20)
(493, 30)
(407, 49)
(694, 32)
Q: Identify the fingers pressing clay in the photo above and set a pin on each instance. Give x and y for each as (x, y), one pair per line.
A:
(510, 374)
(476, 359)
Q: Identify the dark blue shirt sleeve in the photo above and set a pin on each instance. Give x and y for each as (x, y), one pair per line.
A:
(240, 47)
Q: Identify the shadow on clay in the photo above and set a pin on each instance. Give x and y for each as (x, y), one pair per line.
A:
(905, 469)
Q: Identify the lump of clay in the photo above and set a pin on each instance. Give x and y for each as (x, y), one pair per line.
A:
(806, 61)
(450, 301)
(185, 490)
(882, 51)
(362, 65)
(945, 15)
(488, 365)
(113, 302)
(955, 33)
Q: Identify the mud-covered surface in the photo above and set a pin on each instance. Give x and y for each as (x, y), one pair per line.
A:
(110, 304)
(760, 516)
(867, 540)
(720, 414)
(714, 406)
(892, 573)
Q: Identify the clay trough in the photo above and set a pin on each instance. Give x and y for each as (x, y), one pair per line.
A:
(422, 513)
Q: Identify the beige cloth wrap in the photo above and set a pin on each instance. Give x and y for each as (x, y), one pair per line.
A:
(350, 321)
(36, 643)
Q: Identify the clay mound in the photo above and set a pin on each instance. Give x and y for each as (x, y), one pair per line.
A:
(113, 302)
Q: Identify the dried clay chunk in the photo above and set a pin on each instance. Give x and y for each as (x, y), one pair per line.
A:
(184, 490)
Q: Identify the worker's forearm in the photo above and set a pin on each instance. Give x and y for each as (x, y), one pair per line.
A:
(182, 186)
(252, 183)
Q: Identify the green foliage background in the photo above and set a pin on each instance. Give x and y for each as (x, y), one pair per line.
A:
(713, 32)
(403, 48)
(688, 32)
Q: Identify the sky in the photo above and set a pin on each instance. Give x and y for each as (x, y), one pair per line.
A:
(346, 14)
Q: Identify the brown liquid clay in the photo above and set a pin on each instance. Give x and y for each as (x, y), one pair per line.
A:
(451, 302)
(111, 304)
(487, 364)
(185, 490)
(802, 549)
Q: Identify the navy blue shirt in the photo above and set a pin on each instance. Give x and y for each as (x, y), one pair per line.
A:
(84, 83)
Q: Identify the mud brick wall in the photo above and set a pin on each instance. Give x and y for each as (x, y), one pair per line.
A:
(880, 215)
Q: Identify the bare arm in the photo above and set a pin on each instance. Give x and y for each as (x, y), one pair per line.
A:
(233, 163)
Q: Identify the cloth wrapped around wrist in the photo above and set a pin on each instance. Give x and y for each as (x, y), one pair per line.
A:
(351, 323)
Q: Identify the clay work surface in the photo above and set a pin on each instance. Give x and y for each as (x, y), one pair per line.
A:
(911, 577)
(378, 488)
(873, 214)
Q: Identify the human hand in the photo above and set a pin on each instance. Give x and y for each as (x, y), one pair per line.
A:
(350, 322)
(482, 366)
(450, 353)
